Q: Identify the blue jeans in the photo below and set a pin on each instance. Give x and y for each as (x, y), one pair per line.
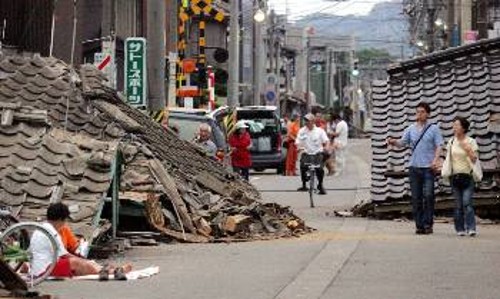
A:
(462, 186)
(422, 196)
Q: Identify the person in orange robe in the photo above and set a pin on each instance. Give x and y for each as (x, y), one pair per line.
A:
(293, 127)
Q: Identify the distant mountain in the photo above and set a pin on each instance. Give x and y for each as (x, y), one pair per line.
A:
(384, 28)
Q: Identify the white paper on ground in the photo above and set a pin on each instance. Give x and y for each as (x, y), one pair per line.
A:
(132, 275)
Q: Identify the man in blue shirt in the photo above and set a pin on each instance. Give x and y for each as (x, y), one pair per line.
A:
(425, 140)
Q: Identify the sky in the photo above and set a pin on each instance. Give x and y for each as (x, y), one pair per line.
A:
(301, 8)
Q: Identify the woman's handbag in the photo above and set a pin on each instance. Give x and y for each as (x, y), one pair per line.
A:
(477, 171)
(446, 169)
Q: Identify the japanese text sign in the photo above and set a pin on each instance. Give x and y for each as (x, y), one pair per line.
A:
(135, 71)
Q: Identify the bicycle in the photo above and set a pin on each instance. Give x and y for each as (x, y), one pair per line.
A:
(312, 162)
(15, 253)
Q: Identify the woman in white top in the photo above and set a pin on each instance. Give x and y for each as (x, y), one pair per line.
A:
(464, 152)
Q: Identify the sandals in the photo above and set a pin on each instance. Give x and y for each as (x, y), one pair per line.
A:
(120, 274)
(104, 273)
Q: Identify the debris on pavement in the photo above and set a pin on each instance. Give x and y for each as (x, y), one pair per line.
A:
(343, 213)
(66, 136)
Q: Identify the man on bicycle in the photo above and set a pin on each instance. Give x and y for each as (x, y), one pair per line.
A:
(312, 141)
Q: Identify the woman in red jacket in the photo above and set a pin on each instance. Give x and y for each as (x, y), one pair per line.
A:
(240, 143)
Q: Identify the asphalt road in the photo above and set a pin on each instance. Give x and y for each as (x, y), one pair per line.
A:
(350, 258)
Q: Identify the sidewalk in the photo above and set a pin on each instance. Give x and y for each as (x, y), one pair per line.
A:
(347, 258)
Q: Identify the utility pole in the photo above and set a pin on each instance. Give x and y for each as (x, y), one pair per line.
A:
(172, 11)
(278, 66)
(430, 10)
(258, 54)
(156, 54)
(287, 85)
(308, 75)
(330, 87)
(234, 48)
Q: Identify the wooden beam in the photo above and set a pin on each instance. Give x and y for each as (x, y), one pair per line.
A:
(172, 193)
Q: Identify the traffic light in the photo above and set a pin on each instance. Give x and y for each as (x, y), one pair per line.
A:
(355, 69)
(202, 77)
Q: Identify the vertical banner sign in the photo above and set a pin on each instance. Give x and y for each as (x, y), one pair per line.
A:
(135, 71)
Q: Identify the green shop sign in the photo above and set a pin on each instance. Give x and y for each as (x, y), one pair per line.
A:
(135, 71)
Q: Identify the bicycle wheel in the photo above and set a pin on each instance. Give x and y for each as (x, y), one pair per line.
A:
(312, 176)
(15, 249)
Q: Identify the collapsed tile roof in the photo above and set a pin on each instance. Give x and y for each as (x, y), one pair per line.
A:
(61, 131)
(462, 81)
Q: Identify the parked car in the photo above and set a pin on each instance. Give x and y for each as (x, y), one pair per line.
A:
(266, 132)
(187, 121)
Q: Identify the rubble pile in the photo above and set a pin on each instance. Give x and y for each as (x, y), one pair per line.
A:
(66, 136)
(462, 81)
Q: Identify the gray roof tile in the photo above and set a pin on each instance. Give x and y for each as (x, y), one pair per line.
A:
(467, 86)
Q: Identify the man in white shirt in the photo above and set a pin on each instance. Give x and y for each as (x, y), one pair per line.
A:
(340, 143)
(67, 265)
(312, 141)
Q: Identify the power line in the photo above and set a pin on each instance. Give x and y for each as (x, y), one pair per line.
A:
(346, 5)
(349, 38)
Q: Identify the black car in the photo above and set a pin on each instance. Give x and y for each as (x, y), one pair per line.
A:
(264, 126)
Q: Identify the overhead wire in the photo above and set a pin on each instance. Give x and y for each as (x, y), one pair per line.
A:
(345, 4)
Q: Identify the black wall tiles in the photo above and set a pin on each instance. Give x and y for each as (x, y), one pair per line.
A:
(460, 82)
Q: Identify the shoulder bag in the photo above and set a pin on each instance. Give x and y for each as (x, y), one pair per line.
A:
(447, 170)
(477, 171)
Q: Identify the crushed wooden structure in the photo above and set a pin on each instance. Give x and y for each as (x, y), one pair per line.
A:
(65, 136)
(462, 81)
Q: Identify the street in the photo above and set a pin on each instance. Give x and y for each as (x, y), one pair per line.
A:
(345, 258)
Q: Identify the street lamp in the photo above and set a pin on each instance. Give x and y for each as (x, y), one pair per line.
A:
(234, 56)
(259, 16)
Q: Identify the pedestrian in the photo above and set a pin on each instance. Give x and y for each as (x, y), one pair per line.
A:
(293, 128)
(203, 140)
(463, 154)
(67, 265)
(240, 143)
(425, 141)
(340, 135)
(312, 141)
(319, 121)
(330, 162)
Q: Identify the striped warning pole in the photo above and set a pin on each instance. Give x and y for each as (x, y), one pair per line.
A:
(181, 44)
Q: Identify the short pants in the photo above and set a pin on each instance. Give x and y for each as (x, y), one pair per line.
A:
(62, 268)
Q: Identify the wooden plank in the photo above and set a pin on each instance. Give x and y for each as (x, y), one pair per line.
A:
(236, 223)
(445, 204)
(171, 190)
(187, 237)
(10, 279)
(210, 182)
(203, 226)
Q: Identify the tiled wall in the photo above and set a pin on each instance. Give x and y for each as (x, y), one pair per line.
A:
(466, 84)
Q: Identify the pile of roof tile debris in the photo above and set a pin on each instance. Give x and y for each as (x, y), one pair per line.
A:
(462, 81)
(65, 136)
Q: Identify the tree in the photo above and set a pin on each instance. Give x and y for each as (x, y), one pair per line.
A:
(371, 54)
